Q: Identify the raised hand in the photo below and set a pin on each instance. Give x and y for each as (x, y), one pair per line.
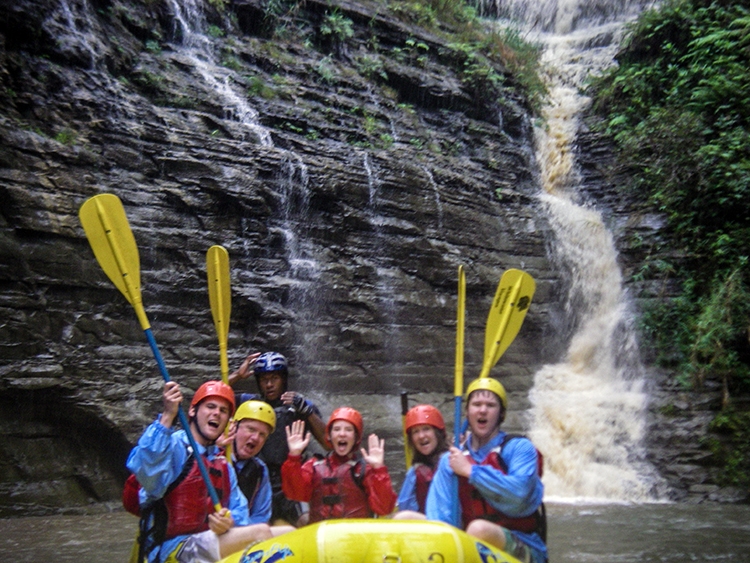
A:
(244, 371)
(376, 454)
(227, 438)
(171, 398)
(296, 437)
(297, 400)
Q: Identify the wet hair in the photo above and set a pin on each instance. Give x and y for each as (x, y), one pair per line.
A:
(432, 459)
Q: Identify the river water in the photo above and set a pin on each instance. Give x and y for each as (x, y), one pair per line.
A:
(611, 533)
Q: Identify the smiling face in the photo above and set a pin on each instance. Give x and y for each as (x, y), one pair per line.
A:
(209, 418)
(250, 438)
(271, 385)
(424, 438)
(343, 437)
(483, 412)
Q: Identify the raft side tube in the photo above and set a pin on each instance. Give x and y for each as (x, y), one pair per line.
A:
(372, 541)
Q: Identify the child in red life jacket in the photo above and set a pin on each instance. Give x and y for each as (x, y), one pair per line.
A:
(427, 440)
(341, 484)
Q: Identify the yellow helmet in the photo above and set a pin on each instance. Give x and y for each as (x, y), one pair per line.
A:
(256, 410)
(488, 384)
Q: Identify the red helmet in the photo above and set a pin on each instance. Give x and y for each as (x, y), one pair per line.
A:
(424, 414)
(214, 389)
(349, 415)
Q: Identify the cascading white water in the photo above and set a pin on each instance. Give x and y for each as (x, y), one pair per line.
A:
(588, 411)
(197, 46)
(75, 16)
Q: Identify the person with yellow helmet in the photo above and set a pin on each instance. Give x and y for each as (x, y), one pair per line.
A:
(178, 520)
(499, 480)
(425, 430)
(252, 424)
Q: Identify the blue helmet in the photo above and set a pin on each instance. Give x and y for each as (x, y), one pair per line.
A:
(270, 361)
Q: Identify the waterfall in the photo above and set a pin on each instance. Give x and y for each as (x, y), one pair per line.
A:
(588, 411)
(436, 195)
(304, 267)
(79, 38)
(198, 48)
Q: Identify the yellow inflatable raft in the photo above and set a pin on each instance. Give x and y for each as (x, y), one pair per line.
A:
(372, 541)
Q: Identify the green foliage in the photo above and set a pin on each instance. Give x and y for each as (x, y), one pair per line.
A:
(150, 82)
(732, 448)
(230, 60)
(371, 67)
(66, 136)
(336, 29)
(720, 333)
(215, 31)
(326, 71)
(337, 26)
(481, 53)
(257, 87)
(220, 5)
(153, 46)
(678, 108)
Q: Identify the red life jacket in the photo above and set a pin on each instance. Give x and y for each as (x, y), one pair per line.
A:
(189, 504)
(130, 499)
(424, 474)
(474, 506)
(130, 492)
(338, 492)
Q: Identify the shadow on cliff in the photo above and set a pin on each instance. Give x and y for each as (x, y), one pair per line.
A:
(55, 456)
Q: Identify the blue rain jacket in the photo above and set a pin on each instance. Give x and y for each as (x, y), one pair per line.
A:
(158, 459)
(519, 493)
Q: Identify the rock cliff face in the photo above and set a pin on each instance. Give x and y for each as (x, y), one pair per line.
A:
(348, 175)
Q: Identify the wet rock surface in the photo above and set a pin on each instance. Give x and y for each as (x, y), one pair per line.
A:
(346, 201)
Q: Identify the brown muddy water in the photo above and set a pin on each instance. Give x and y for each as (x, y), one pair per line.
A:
(642, 533)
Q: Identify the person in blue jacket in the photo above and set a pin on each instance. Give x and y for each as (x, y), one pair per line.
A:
(252, 424)
(425, 430)
(499, 480)
(182, 523)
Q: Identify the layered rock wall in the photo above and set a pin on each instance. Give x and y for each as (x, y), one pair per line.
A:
(346, 198)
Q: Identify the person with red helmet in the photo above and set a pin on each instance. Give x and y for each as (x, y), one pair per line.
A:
(340, 484)
(425, 429)
(272, 377)
(178, 520)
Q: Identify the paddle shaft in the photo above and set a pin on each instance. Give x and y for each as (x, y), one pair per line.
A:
(219, 297)
(458, 379)
(404, 410)
(185, 423)
(104, 207)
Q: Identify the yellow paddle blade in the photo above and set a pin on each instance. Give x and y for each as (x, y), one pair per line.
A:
(220, 298)
(219, 292)
(108, 232)
(509, 308)
(458, 380)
